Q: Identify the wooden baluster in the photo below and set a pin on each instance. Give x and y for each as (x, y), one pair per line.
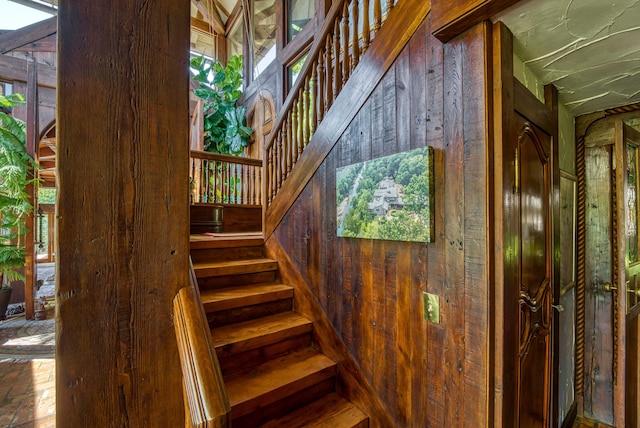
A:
(294, 131)
(320, 87)
(337, 67)
(377, 16)
(214, 185)
(253, 196)
(278, 162)
(366, 31)
(289, 140)
(300, 136)
(355, 41)
(306, 107)
(345, 43)
(203, 181)
(270, 177)
(313, 95)
(389, 6)
(246, 186)
(211, 181)
(237, 188)
(329, 68)
(258, 172)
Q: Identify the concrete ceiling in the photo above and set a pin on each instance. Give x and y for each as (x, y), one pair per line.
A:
(589, 49)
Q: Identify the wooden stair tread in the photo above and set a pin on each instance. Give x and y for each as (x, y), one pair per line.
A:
(199, 242)
(247, 335)
(244, 295)
(276, 379)
(330, 411)
(234, 267)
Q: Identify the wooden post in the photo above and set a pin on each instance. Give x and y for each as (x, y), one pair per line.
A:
(32, 149)
(123, 201)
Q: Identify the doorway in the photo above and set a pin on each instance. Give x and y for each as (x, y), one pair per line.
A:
(611, 144)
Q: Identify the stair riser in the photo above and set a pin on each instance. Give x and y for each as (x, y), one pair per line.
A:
(220, 254)
(232, 316)
(233, 280)
(259, 416)
(254, 357)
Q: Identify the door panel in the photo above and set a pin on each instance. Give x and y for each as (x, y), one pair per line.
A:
(627, 310)
(535, 292)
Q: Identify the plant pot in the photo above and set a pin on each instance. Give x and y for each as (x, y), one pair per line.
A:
(5, 296)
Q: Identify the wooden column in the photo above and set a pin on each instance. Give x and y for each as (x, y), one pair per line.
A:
(123, 234)
(32, 144)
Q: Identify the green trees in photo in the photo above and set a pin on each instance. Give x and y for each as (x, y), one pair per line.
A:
(413, 174)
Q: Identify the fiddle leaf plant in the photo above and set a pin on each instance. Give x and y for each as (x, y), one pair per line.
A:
(225, 131)
(16, 173)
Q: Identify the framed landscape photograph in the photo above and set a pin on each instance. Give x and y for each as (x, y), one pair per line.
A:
(389, 198)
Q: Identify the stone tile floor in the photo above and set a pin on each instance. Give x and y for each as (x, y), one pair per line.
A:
(27, 366)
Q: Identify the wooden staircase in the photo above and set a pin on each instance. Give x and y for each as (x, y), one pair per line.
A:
(273, 374)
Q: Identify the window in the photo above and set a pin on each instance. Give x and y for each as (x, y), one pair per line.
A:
(300, 12)
(295, 69)
(234, 40)
(264, 35)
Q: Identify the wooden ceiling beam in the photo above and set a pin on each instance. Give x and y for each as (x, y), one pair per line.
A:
(211, 16)
(29, 34)
(201, 26)
(15, 69)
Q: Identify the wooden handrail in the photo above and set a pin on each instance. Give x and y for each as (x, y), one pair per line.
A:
(224, 179)
(333, 56)
(225, 158)
(206, 401)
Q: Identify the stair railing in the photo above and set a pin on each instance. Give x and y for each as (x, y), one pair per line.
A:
(349, 28)
(225, 180)
(205, 396)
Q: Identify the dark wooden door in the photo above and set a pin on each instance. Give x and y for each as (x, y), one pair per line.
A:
(532, 196)
(627, 292)
(527, 188)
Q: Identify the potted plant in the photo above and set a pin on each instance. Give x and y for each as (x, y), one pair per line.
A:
(225, 131)
(16, 173)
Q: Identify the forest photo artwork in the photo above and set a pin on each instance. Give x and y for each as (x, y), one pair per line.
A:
(389, 198)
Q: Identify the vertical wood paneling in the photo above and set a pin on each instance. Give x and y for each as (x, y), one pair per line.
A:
(435, 261)
(403, 99)
(417, 88)
(425, 374)
(476, 185)
(122, 220)
(452, 306)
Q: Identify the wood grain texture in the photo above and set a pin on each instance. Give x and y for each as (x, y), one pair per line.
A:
(205, 396)
(123, 156)
(371, 291)
(26, 35)
(16, 69)
(396, 32)
(451, 19)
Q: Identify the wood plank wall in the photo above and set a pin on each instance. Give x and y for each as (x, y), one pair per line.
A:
(427, 375)
(123, 219)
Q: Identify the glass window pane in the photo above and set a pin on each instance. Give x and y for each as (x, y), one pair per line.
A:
(300, 13)
(264, 34)
(234, 41)
(295, 69)
(632, 204)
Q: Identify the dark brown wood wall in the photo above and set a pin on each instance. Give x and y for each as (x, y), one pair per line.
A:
(123, 219)
(425, 374)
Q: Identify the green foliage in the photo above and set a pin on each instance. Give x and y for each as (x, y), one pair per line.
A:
(15, 168)
(46, 195)
(224, 128)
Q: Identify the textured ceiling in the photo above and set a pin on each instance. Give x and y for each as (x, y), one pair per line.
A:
(589, 49)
